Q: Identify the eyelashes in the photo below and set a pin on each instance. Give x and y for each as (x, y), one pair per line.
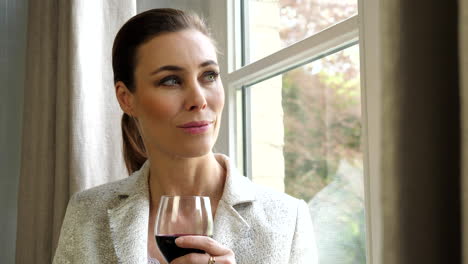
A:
(211, 76)
(171, 80)
(174, 80)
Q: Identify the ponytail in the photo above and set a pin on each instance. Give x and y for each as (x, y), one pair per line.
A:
(133, 148)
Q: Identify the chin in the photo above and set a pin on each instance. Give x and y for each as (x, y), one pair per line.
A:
(195, 152)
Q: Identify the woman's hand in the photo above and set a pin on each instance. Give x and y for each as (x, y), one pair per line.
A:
(222, 254)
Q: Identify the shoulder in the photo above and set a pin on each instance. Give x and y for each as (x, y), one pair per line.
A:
(105, 196)
(136, 183)
(85, 228)
(285, 220)
(269, 208)
(241, 190)
(271, 198)
(101, 193)
(274, 204)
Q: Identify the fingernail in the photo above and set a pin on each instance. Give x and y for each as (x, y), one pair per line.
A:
(179, 240)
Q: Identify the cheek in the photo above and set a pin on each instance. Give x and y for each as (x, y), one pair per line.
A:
(218, 100)
(155, 107)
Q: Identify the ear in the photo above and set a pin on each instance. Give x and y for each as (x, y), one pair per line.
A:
(125, 97)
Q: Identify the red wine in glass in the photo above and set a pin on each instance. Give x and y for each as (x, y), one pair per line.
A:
(170, 250)
(182, 216)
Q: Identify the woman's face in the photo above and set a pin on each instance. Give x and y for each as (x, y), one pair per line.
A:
(179, 96)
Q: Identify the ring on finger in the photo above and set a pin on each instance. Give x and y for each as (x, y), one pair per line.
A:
(212, 260)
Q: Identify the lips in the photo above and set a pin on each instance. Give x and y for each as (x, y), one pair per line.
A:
(196, 127)
(195, 124)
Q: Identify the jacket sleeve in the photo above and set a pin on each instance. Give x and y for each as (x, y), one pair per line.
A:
(66, 248)
(303, 248)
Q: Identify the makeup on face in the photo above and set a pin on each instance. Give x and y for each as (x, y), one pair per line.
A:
(179, 93)
(196, 127)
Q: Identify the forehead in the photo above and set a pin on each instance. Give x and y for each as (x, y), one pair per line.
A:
(188, 48)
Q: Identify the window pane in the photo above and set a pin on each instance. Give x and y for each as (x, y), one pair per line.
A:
(275, 24)
(306, 141)
(239, 133)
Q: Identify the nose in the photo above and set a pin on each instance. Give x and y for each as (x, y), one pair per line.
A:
(196, 99)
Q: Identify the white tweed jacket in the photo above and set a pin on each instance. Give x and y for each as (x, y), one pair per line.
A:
(109, 223)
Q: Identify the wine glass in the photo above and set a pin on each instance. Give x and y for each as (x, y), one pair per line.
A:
(182, 216)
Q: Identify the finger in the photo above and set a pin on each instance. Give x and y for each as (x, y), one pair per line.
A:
(205, 243)
(192, 258)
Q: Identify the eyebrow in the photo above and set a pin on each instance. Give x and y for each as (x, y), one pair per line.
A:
(207, 63)
(177, 68)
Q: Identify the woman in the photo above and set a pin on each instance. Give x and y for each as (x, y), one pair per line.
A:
(167, 83)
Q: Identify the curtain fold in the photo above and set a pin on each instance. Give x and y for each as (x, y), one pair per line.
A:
(71, 123)
(422, 120)
(463, 49)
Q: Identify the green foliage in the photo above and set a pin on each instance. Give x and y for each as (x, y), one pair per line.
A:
(322, 121)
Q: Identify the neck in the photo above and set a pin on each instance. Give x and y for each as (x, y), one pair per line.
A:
(202, 176)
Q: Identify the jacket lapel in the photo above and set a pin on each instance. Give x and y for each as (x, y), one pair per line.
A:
(231, 227)
(128, 219)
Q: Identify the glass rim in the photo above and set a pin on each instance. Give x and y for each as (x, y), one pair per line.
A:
(184, 196)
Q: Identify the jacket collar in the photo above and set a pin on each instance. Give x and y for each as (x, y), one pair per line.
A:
(237, 188)
(129, 217)
(231, 227)
(136, 183)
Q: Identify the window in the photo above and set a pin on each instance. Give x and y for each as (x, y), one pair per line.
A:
(281, 23)
(300, 113)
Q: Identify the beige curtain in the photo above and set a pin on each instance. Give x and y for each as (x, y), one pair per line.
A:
(71, 123)
(424, 99)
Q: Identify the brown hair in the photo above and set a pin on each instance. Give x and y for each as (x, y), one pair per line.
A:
(135, 32)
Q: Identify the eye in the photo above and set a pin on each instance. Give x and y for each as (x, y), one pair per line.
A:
(170, 81)
(210, 76)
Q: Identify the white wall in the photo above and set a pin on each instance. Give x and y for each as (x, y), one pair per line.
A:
(198, 6)
(13, 19)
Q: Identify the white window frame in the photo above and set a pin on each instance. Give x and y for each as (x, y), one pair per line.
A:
(224, 16)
